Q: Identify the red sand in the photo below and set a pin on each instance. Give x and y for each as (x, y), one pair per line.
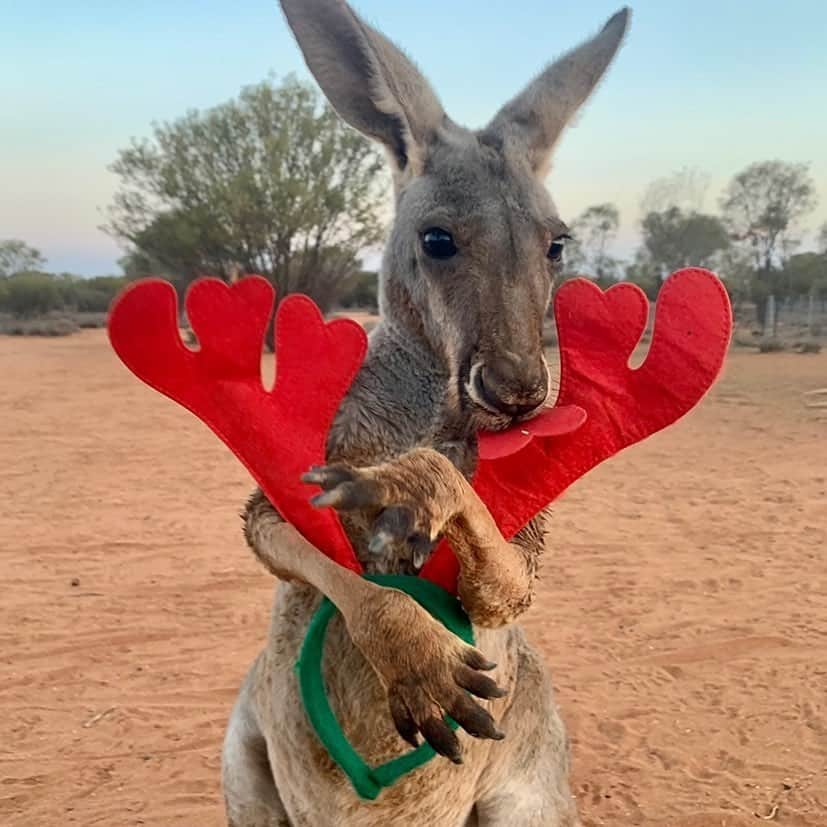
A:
(683, 606)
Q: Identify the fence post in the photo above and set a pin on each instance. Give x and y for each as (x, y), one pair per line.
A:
(811, 313)
(769, 318)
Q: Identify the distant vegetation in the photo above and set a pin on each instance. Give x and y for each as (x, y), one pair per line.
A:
(754, 243)
(38, 303)
(29, 294)
(34, 302)
(361, 292)
(273, 183)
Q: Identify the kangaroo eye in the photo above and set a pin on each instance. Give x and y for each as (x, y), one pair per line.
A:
(438, 243)
(555, 251)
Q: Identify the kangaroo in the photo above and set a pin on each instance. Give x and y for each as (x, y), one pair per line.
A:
(465, 284)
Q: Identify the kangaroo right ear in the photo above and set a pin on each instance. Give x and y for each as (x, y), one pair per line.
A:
(368, 80)
(534, 120)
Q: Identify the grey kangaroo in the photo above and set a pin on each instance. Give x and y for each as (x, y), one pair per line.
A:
(465, 284)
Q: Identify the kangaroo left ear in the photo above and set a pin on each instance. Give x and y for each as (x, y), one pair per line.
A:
(371, 83)
(534, 120)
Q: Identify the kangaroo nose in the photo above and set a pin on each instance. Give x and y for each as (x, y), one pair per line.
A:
(513, 387)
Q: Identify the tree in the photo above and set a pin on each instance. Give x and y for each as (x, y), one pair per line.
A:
(32, 294)
(16, 257)
(805, 274)
(29, 294)
(271, 183)
(685, 189)
(362, 291)
(822, 239)
(763, 205)
(674, 239)
(594, 230)
(735, 267)
(92, 295)
(645, 274)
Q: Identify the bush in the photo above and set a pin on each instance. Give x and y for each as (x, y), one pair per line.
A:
(39, 327)
(740, 340)
(94, 295)
(26, 295)
(90, 321)
(771, 346)
(35, 295)
(362, 292)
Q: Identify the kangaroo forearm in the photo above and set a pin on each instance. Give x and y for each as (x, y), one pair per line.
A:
(496, 580)
(496, 590)
(287, 555)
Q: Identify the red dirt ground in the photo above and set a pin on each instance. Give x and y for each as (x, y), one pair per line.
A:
(683, 606)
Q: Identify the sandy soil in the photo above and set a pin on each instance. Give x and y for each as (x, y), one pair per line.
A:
(683, 610)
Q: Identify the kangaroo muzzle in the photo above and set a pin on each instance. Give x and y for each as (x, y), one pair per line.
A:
(510, 385)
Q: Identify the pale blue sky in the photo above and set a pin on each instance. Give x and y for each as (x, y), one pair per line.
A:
(702, 83)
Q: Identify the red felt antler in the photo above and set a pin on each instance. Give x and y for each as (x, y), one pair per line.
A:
(603, 405)
(597, 332)
(278, 434)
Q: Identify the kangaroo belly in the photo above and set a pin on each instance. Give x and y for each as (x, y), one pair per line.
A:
(313, 789)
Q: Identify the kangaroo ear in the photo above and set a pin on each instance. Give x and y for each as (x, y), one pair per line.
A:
(368, 80)
(533, 121)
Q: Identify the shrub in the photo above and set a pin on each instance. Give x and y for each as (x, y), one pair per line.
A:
(740, 340)
(362, 292)
(771, 346)
(39, 327)
(90, 321)
(26, 295)
(35, 295)
(94, 295)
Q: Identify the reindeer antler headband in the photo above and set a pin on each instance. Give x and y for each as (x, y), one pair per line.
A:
(279, 433)
(603, 405)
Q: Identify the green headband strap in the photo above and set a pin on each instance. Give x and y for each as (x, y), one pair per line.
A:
(369, 781)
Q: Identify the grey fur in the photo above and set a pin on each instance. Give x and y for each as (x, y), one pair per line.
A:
(441, 320)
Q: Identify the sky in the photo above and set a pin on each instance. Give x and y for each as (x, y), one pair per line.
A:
(706, 84)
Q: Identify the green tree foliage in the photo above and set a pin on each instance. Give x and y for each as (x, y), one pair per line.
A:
(93, 295)
(16, 257)
(28, 295)
(362, 291)
(735, 267)
(763, 206)
(594, 230)
(803, 274)
(270, 183)
(642, 272)
(674, 239)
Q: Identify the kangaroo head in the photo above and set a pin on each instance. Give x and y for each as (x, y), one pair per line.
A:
(476, 240)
